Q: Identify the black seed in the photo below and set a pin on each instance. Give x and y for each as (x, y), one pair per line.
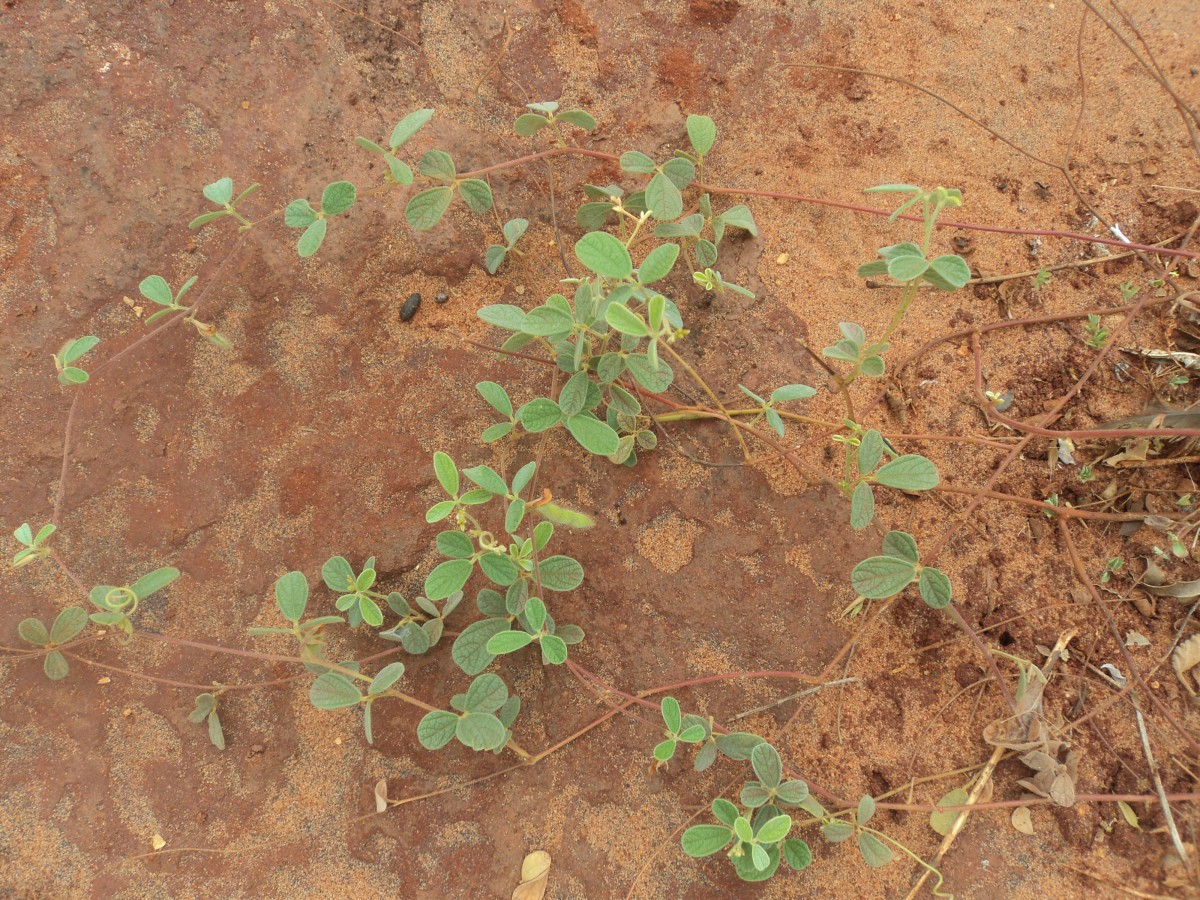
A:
(409, 309)
(441, 298)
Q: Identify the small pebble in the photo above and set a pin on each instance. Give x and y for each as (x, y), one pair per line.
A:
(441, 298)
(409, 309)
(782, 258)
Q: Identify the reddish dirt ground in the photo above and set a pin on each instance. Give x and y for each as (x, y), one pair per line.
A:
(313, 436)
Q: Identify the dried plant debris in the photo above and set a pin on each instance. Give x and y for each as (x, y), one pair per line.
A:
(1184, 659)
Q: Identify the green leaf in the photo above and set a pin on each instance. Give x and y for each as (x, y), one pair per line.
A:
(514, 228)
(560, 573)
(370, 145)
(679, 171)
(671, 714)
(155, 289)
(663, 198)
(338, 197)
(291, 595)
(873, 268)
(299, 214)
(538, 415)
(470, 647)
(797, 854)
(436, 729)
(205, 704)
(408, 126)
(625, 320)
(487, 693)
(446, 472)
(754, 795)
(774, 420)
(654, 378)
(792, 392)
(55, 666)
(874, 852)
(220, 191)
(574, 394)
(767, 765)
(24, 534)
(72, 376)
(948, 273)
(702, 132)
(554, 650)
(593, 435)
(413, 638)
(870, 451)
(477, 194)
(548, 321)
(738, 745)
(579, 118)
(693, 734)
(205, 218)
(524, 475)
(447, 578)
(740, 217)
(882, 576)
(155, 581)
(504, 315)
(793, 792)
(78, 347)
(657, 264)
(387, 676)
(906, 268)
(310, 241)
(488, 479)
(862, 506)
(67, 624)
(439, 511)
(591, 216)
(634, 161)
(665, 750)
(34, 632)
(455, 545)
(400, 172)
(426, 209)
(438, 164)
(837, 831)
(866, 809)
(529, 124)
(604, 254)
(481, 731)
(500, 569)
(495, 432)
(909, 473)
(507, 642)
(901, 545)
(935, 588)
(705, 840)
(775, 830)
(688, 227)
(759, 857)
(941, 820)
(333, 691)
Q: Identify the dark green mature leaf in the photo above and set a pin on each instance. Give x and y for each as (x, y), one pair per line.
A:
(948, 273)
(487, 478)
(438, 164)
(679, 171)
(767, 765)
(935, 588)
(837, 831)
(470, 648)
(906, 268)
(746, 865)
(663, 198)
(882, 576)
(574, 394)
(560, 573)
(426, 209)
(740, 217)
(538, 415)
(55, 666)
(498, 568)
(386, 677)
(333, 691)
(481, 731)
(705, 840)
(436, 729)
(508, 642)
(909, 473)
(548, 321)
(653, 378)
(593, 435)
(604, 254)
(635, 161)
(338, 197)
(477, 194)
(455, 544)
(874, 852)
(797, 854)
(487, 693)
(702, 132)
(554, 650)
(34, 632)
(291, 595)
(862, 506)
(591, 216)
(68, 624)
(901, 545)
(447, 578)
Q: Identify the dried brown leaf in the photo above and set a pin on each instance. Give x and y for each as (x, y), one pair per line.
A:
(1022, 820)
(381, 797)
(1184, 659)
(535, 871)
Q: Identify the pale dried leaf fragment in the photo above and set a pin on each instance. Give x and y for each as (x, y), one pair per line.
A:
(1136, 639)
(1184, 659)
(1130, 816)
(157, 842)
(381, 797)
(535, 871)
(1022, 820)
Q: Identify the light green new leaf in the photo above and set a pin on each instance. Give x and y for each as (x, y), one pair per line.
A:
(446, 472)
(870, 451)
(220, 191)
(702, 132)
(507, 642)
(909, 473)
(338, 197)
(310, 241)
(408, 126)
(593, 435)
(579, 118)
(496, 397)
(477, 194)
(862, 506)
(663, 198)
(291, 595)
(387, 676)
(705, 840)
(658, 263)
(155, 289)
(153, 582)
(333, 691)
(882, 576)
(948, 273)
(299, 214)
(935, 588)
(447, 578)
(774, 830)
(625, 320)
(874, 852)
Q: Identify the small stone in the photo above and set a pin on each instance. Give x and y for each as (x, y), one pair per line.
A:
(245, 104)
(441, 298)
(104, 680)
(452, 94)
(520, 289)
(409, 309)
(257, 748)
(127, 713)
(337, 742)
(782, 258)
